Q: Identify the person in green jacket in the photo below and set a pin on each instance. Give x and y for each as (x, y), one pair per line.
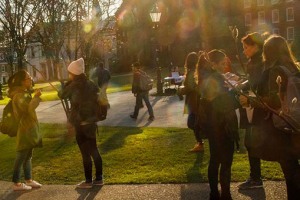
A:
(28, 135)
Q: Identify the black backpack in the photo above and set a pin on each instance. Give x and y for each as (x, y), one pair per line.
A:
(9, 123)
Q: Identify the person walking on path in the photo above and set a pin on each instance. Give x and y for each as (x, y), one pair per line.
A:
(82, 94)
(252, 45)
(191, 92)
(103, 77)
(28, 135)
(139, 93)
(221, 122)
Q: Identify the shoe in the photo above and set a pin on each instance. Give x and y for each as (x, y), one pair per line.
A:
(133, 116)
(21, 187)
(151, 118)
(84, 185)
(34, 184)
(197, 148)
(98, 182)
(251, 184)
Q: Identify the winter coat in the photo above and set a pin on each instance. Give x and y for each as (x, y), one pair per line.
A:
(82, 94)
(192, 93)
(255, 69)
(220, 109)
(136, 81)
(28, 135)
(265, 141)
(103, 76)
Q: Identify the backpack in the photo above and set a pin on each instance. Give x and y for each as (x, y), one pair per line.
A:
(9, 123)
(146, 83)
(102, 107)
(288, 119)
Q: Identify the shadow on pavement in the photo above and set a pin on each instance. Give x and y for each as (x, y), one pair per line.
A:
(88, 194)
(12, 195)
(258, 193)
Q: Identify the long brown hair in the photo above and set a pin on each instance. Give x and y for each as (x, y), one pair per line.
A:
(277, 50)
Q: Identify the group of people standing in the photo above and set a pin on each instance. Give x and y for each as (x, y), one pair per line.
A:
(212, 104)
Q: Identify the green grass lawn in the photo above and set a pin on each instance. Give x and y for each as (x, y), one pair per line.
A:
(130, 155)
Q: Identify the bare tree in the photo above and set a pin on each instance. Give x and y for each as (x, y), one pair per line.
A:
(17, 18)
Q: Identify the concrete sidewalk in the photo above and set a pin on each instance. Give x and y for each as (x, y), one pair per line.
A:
(168, 111)
(196, 191)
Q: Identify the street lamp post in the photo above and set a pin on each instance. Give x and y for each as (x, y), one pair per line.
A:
(155, 17)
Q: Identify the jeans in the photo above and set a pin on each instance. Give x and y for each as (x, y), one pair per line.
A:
(255, 170)
(23, 158)
(220, 157)
(139, 97)
(86, 140)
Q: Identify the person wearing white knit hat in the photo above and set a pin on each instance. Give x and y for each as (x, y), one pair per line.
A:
(83, 115)
(76, 67)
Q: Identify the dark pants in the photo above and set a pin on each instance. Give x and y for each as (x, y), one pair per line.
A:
(191, 122)
(86, 140)
(291, 171)
(254, 162)
(138, 103)
(221, 155)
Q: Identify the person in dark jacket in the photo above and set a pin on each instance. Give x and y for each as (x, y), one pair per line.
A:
(191, 93)
(139, 93)
(221, 122)
(28, 134)
(269, 143)
(103, 76)
(82, 94)
(252, 45)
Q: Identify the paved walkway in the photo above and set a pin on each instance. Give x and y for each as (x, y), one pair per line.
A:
(168, 112)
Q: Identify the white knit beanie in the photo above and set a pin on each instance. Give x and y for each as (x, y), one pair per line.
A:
(76, 67)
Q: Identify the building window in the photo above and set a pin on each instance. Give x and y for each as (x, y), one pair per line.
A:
(260, 2)
(247, 3)
(290, 14)
(248, 19)
(290, 33)
(274, 2)
(276, 31)
(261, 17)
(275, 16)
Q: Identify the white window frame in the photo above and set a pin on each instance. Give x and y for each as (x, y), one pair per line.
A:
(260, 2)
(276, 31)
(275, 13)
(248, 18)
(290, 9)
(261, 19)
(247, 3)
(288, 29)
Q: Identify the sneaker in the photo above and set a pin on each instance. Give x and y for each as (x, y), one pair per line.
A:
(84, 185)
(34, 184)
(133, 116)
(251, 184)
(197, 148)
(151, 118)
(21, 187)
(98, 182)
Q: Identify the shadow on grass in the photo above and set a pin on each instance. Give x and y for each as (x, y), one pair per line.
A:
(193, 174)
(88, 194)
(117, 139)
